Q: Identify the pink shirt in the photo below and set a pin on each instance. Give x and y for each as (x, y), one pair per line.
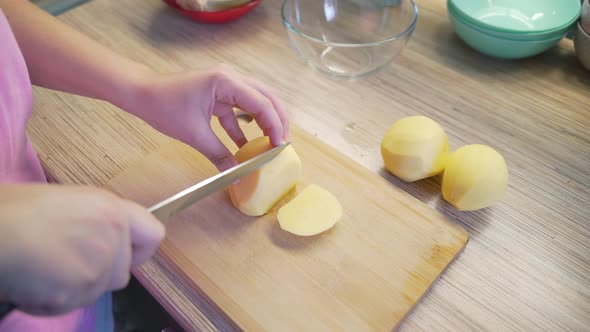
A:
(19, 163)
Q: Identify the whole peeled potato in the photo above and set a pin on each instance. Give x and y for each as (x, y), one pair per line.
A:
(476, 176)
(415, 148)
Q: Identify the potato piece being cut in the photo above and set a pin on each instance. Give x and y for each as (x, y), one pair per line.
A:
(260, 190)
(311, 212)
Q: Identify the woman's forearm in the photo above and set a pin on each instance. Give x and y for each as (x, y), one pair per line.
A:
(60, 58)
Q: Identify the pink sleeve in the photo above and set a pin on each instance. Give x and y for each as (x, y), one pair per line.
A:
(19, 163)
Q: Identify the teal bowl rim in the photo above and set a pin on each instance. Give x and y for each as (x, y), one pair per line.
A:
(485, 32)
(512, 31)
(520, 42)
(407, 31)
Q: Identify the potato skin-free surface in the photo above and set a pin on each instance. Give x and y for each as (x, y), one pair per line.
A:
(311, 212)
(414, 148)
(259, 191)
(476, 177)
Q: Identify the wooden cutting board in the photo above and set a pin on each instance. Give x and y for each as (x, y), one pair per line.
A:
(365, 274)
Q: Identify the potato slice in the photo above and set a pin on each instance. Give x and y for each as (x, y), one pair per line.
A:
(313, 211)
(260, 190)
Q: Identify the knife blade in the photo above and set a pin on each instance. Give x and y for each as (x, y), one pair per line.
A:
(173, 204)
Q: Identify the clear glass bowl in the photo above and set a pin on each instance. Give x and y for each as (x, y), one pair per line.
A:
(349, 38)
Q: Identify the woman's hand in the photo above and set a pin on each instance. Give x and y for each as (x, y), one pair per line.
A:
(62, 247)
(182, 105)
(179, 105)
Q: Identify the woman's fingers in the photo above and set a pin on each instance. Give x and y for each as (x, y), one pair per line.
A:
(211, 147)
(145, 231)
(280, 110)
(228, 121)
(233, 90)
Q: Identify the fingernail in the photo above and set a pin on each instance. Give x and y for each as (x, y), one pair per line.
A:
(237, 181)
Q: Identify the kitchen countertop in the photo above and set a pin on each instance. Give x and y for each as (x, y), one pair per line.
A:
(527, 265)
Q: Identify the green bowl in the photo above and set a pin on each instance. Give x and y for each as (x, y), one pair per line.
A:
(507, 35)
(498, 47)
(519, 16)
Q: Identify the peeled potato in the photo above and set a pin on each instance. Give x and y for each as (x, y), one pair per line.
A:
(415, 148)
(259, 191)
(475, 177)
(311, 212)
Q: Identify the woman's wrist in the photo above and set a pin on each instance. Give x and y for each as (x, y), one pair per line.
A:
(130, 88)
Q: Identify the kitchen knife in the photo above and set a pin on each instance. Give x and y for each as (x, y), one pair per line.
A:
(168, 207)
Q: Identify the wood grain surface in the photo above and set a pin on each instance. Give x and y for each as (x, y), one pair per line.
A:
(527, 265)
(365, 274)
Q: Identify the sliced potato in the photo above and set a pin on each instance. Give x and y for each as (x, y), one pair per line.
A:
(259, 191)
(311, 212)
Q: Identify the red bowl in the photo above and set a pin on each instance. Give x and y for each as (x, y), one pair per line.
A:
(222, 16)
